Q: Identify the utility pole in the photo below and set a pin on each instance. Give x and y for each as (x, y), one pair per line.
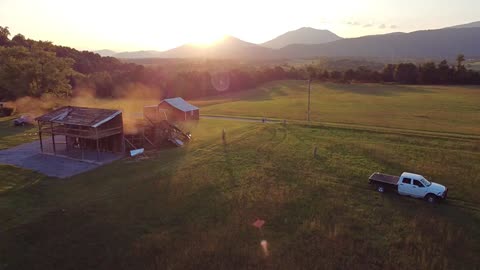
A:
(309, 87)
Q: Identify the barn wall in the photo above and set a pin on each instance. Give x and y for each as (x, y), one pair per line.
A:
(173, 114)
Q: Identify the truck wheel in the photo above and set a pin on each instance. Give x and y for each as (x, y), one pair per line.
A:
(381, 189)
(431, 198)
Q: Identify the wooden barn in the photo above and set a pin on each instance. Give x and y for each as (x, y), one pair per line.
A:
(173, 109)
(83, 129)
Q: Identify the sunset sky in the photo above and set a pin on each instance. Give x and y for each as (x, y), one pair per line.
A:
(161, 25)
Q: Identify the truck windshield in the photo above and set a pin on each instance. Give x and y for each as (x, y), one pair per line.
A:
(426, 182)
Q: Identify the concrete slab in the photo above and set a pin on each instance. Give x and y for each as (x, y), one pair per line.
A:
(63, 165)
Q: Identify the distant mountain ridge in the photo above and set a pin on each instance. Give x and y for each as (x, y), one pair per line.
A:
(304, 35)
(467, 25)
(440, 43)
(106, 52)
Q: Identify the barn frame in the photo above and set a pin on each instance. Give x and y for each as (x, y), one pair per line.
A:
(84, 129)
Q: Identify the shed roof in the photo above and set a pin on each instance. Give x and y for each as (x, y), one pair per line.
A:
(180, 104)
(81, 116)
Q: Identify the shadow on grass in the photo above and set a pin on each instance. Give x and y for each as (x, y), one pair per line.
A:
(377, 89)
(262, 93)
(104, 219)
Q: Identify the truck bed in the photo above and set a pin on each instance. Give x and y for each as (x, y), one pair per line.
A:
(384, 178)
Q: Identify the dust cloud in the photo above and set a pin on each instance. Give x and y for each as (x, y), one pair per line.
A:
(130, 99)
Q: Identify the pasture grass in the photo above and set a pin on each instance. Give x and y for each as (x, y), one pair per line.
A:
(192, 207)
(429, 108)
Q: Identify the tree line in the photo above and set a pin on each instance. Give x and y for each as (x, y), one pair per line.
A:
(34, 68)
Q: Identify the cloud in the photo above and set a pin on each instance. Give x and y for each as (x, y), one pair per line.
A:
(368, 25)
(353, 23)
(393, 26)
(382, 26)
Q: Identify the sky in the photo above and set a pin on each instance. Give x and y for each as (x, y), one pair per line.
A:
(160, 25)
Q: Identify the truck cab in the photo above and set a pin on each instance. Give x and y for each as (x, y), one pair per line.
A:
(415, 185)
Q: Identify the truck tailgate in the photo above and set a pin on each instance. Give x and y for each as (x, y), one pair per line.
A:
(384, 178)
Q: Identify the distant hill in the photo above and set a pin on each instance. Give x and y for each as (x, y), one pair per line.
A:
(468, 25)
(228, 47)
(138, 54)
(105, 52)
(305, 35)
(442, 43)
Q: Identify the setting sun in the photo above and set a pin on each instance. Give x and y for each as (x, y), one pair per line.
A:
(206, 38)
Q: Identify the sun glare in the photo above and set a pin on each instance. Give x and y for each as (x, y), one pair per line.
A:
(205, 38)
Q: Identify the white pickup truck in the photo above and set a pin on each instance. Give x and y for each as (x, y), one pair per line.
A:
(409, 184)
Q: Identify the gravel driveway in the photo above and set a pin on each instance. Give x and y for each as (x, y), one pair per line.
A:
(28, 156)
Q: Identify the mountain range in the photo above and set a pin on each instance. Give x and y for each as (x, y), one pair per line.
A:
(305, 35)
(468, 25)
(309, 43)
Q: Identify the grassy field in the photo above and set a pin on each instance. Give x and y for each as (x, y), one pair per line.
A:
(11, 136)
(192, 207)
(432, 108)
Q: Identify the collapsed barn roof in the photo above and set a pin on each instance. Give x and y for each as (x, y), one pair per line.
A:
(180, 104)
(81, 116)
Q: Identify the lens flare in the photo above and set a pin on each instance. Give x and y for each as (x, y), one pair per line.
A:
(220, 80)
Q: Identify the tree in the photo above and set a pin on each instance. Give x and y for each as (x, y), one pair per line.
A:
(429, 73)
(460, 60)
(4, 34)
(311, 72)
(388, 73)
(349, 75)
(326, 75)
(20, 40)
(33, 72)
(364, 74)
(293, 73)
(461, 73)
(336, 75)
(445, 73)
(406, 73)
(103, 84)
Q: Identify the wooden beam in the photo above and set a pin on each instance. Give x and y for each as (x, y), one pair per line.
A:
(53, 140)
(122, 135)
(98, 149)
(81, 147)
(40, 135)
(145, 137)
(131, 144)
(66, 143)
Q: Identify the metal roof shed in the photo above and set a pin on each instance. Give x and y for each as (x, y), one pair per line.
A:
(179, 109)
